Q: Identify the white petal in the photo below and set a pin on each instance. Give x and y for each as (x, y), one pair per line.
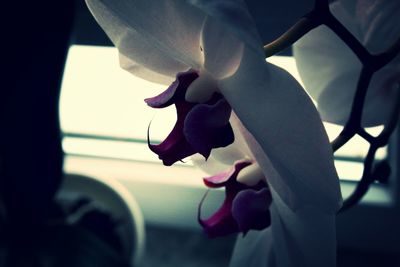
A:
(142, 72)
(378, 22)
(290, 143)
(202, 89)
(254, 250)
(306, 237)
(330, 70)
(222, 49)
(251, 175)
(350, 6)
(236, 18)
(227, 28)
(161, 35)
(211, 166)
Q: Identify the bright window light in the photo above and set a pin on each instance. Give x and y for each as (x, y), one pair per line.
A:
(103, 114)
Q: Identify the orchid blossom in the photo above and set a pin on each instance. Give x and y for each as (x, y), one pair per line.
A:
(245, 207)
(247, 196)
(194, 131)
(279, 123)
(375, 24)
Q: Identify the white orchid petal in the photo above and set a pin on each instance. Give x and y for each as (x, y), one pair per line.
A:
(228, 155)
(306, 237)
(349, 6)
(235, 17)
(222, 49)
(332, 73)
(161, 35)
(378, 22)
(251, 175)
(211, 166)
(201, 89)
(249, 248)
(142, 72)
(290, 143)
(334, 83)
(336, 98)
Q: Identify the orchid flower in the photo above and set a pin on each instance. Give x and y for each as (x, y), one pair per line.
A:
(245, 207)
(280, 125)
(375, 24)
(194, 131)
(247, 196)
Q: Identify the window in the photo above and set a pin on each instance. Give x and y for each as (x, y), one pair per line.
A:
(103, 113)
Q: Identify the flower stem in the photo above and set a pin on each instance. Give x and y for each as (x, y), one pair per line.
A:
(353, 124)
(345, 35)
(371, 64)
(381, 140)
(303, 26)
(366, 180)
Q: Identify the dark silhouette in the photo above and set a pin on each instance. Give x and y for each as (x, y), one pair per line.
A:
(35, 38)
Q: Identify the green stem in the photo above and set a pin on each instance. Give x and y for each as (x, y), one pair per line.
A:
(303, 26)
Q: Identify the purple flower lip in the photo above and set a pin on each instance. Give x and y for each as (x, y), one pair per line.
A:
(244, 208)
(175, 92)
(199, 127)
